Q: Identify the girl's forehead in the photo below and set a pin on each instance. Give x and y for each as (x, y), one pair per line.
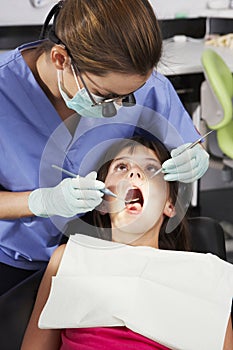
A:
(137, 151)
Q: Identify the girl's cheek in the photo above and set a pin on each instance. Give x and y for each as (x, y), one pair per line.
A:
(114, 181)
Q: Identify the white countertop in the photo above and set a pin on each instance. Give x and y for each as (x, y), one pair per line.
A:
(185, 57)
(217, 13)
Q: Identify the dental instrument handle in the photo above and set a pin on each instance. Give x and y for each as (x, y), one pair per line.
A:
(157, 172)
(196, 142)
(104, 190)
(64, 171)
(108, 192)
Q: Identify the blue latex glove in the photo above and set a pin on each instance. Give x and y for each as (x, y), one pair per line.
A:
(187, 166)
(70, 197)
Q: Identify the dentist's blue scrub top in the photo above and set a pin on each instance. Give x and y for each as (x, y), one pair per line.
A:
(33, 137)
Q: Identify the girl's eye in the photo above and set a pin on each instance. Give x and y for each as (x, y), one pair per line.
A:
(151, 168)
(121, 167)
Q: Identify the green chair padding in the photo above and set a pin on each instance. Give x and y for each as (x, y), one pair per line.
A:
(217, 103)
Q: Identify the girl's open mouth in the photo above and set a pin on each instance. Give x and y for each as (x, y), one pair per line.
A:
(134, 200)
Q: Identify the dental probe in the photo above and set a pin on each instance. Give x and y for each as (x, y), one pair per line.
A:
(103, 190)
(187, 148)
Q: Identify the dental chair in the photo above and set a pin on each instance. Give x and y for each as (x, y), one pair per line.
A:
(217, 112)
(207, 236)
(15, 309)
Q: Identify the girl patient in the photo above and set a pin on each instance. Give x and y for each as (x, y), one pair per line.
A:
(136, 286)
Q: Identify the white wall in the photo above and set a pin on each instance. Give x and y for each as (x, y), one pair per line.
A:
(174, 8)
(22, 12)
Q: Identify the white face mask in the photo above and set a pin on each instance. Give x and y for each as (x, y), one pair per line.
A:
(81, 102)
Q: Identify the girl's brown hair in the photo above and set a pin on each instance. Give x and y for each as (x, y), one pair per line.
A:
(105, 36)
(178, 238)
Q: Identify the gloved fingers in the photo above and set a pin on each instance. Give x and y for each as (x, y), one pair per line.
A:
(203, 162)
(188, 166)
(177, 161)
(180, 167)
(69, 190)
(192, 174)
(81, 201)
(186, 177)
(171, 177)
(86, 194)
(87, 182)
(176, 151)
(64, 199)
(182, 155)
(92, 175)
(83, 205)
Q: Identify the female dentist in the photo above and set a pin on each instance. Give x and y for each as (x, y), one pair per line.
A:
(96, 61)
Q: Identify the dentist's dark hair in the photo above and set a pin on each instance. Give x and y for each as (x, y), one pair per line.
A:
(178, 239)
(105, 36)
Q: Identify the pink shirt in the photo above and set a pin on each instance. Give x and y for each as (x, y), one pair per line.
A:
(106, 338)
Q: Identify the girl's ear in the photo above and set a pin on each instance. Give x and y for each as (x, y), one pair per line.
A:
(169, 209)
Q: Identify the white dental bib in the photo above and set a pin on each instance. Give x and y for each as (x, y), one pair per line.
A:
(179, 299)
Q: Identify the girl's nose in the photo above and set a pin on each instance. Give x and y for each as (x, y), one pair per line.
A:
(135, 174)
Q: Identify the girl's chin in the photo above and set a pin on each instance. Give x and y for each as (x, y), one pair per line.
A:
(134, 223)
(134, 227)
(126, 237)
(127, 219)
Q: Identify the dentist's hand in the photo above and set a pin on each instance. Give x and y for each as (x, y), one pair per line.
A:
(188, 166)
(70, 197)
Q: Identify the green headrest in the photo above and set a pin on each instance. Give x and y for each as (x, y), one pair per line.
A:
(220, 79)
